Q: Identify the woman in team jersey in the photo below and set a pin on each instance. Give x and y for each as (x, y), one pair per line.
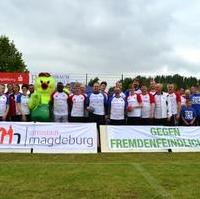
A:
(134, 108)
(77, 105)
(22, 103)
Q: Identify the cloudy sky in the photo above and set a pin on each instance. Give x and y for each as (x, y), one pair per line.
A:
(105, 36)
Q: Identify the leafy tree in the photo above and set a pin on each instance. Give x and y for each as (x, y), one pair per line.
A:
(126, 83)
(10, 58)
(92, 81)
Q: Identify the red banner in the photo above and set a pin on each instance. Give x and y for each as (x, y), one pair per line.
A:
(14, 78)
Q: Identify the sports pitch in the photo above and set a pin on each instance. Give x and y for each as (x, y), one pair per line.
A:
(130, 175)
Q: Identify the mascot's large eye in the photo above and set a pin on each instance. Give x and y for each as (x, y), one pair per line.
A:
(41, 81)
(47, 82)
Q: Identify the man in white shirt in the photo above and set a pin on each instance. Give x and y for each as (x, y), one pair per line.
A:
(97, 105)
(175, 100)
(59, 103)
(119, 85)
(162, 106)
(117, 108)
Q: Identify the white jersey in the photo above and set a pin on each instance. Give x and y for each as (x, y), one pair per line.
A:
(183, 100)
(3, 104)
(24, 104)
(134, 100)
(60, 105)
(147, 101)
(77, 105)
(121, 95)
(96, 101)
(174, 99)
(117, 108)
(162, 106)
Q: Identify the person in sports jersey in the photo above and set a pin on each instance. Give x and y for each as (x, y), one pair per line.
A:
(4, 105)
(17, 95)
(162, 106)
(136, 85)
(118, 84)
(152, 89)
(195, 98)
(117, 108)
(182, 95)
(83, 90)
(187, 94)
(103, 86)
(31, 89)
(134, 108)
(175, 100)
(193, 89)
(59, 104)
(11, 100)
(22, 103)
(188, 114)
(97, 105)
(148, 106)
(77, 105)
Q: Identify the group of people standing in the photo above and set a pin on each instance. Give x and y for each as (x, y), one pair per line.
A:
(13, 103)
(145, 106)
(138, 105)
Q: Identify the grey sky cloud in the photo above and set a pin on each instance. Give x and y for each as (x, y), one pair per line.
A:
(113, 36)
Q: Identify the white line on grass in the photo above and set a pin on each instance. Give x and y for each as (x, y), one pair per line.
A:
(153, 182)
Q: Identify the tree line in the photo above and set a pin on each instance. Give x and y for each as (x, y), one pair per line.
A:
(178, 80)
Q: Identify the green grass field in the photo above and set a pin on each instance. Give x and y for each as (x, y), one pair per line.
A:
(130, 175)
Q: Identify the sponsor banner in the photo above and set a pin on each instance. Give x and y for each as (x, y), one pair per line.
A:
(14, 78)
(149, 139)
(48, 137)
(64, 78)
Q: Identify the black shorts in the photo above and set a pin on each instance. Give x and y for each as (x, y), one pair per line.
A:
(99, 119)
(162, 122)
(147, 121)
(77, 119)
(133, 121)
(117, 122)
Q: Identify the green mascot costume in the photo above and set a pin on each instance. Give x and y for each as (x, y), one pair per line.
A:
(39, 100)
